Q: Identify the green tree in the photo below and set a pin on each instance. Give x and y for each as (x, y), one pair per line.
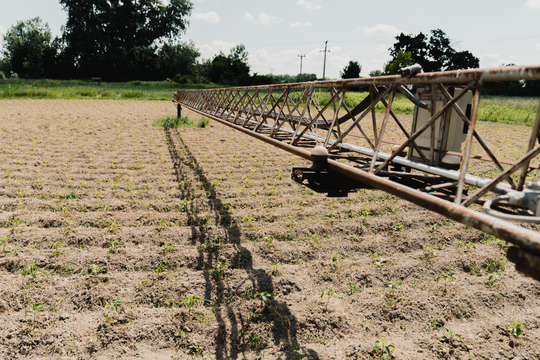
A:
(375, 73)
(402, 59)
(118, 39)
(434, 52)
(179, 62)
(351, 71)
(232, 69)
(29, 49)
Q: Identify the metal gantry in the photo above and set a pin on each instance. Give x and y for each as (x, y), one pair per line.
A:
(423, 158)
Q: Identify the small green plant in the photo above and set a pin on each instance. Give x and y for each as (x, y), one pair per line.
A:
(174, 122)
(450, 336)
(114, 226)
(329, 293)
(429, 253)
(263, 295)
(353, 288)
(257, 342)
(203, 123)
(383, 349)
(55, 246)
(114, 245)
(337, 259)
(466, 245)
(494, 279)
(516, 330)
(34, 309)
(115, 305)
(168, 247)
(161, 224)
(32, 270)
(161, 268)
(298, 357)
(448, 278)
(219, 270)
(390, 298)
(190, 300)
(97, 269)
(496, 265)
(356, 237)
(275, 270)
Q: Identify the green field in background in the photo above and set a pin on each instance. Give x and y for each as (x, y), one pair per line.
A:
(508, 110)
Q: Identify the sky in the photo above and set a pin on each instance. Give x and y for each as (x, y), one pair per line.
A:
(275, 33)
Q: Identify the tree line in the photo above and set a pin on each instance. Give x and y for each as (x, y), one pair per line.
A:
(123, 40)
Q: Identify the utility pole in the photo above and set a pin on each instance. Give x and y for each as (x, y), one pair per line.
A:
(324, 65)
(301, 57)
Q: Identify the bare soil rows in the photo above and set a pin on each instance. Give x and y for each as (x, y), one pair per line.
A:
(122, 240)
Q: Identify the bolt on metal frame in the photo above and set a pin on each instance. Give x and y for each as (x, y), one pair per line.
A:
(291, 117)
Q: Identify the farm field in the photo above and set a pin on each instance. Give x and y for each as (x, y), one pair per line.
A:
(119, 239)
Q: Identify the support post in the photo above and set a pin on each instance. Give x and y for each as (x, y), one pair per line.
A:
(179, 110)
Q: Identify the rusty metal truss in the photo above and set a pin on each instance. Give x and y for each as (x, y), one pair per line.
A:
(424, 158)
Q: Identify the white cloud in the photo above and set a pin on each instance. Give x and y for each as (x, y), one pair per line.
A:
(209, 50)
(209, 17)
(381, 30)
(491, 60)
(265, 19)
(3, 30)
(537, 46)
(312, 6)
(248, 16)
(533, 4)
(298, 24)
(382, 48)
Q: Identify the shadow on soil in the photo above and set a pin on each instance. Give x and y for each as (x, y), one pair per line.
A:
(220, 248)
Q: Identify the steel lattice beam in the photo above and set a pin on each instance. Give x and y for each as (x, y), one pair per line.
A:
(291, 117)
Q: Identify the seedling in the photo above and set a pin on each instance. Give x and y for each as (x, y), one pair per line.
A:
(450, 336)
(114, 226)
(382, 349)
(496, 265)
(298, 357)
(390, 298)
(32, 270)
(353, 288)
(264, 296)
(275, 270)
(162, 223)
(55, 246)
(329, 293)
(113, 246)
(429, 252)
(168, 247)
(97, 269)
(337, 259)
(113, 306)
(190, 300)
(257, 342)
(448, 278)
(219, 270)
(34, 310)
(516, 329)
(493, 279)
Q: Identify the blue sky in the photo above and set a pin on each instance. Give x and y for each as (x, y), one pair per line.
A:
(276, 32)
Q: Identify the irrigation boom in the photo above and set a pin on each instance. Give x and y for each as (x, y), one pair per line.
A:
(424, 160)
